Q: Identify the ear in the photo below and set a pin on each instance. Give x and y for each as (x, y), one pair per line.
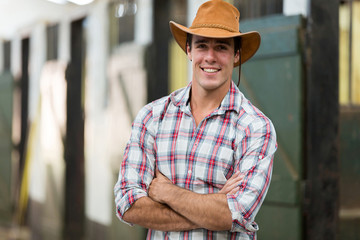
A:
(188, 52)
(237, 57)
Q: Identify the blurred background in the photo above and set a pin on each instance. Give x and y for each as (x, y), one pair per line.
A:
(73, 74)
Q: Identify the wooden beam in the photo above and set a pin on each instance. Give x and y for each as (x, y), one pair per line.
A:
(24, 88)
(74, 143)
(157, 57)
(321, 201)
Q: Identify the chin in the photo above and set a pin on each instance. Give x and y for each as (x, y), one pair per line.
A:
(213, 85)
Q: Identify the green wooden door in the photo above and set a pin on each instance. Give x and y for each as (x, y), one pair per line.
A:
(6, 99)
(349, 154)
(273, 81)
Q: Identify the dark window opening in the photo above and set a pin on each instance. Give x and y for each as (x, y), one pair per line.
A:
(52, 42)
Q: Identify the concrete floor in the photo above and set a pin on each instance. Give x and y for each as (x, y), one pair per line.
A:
(14, 233)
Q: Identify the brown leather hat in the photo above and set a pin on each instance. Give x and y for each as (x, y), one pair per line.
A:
(218, 19)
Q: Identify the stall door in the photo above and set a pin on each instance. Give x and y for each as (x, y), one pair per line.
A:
(273, 81)
(6, 100)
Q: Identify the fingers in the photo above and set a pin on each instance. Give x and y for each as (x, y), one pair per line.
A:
(232, 184)
(234, 190)
(236, 177)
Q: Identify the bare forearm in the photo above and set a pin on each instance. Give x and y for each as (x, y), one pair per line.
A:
(150, 214)
(209, 211)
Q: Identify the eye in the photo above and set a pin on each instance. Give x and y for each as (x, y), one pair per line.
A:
(222, 47)
(201, 46)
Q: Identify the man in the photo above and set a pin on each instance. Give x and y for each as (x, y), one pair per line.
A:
(199, 161)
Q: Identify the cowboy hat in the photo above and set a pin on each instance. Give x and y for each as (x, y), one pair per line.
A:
(218, 19)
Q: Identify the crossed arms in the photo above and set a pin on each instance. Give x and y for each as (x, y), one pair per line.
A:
(171, 208)
(147, 198)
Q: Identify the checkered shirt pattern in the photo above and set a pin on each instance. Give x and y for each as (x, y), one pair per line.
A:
(235, 137)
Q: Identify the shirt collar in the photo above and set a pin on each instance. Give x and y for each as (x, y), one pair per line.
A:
(231, 101)
(181, 97)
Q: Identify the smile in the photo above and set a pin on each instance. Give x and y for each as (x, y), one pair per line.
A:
(210, 70)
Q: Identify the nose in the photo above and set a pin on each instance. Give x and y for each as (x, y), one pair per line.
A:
(210, 56)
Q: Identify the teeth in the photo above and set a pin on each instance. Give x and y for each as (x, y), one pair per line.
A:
(210, 70)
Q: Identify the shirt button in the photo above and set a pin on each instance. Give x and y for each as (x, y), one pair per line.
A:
(189, 172)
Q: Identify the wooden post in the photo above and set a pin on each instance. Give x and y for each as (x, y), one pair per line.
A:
(74, 143)
(157, 57)
(24, 88)
(321, 201)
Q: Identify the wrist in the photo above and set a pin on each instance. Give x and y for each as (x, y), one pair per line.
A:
(170, 192)
(176, 196)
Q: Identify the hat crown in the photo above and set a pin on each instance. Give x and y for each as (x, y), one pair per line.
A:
(217, 14)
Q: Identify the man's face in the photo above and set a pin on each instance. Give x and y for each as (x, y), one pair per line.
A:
(212, 62)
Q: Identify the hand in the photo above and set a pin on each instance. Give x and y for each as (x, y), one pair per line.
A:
(159, 187)
(232, 184)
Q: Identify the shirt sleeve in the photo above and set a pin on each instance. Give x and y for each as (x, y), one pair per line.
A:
(137, 168)
(254, 158)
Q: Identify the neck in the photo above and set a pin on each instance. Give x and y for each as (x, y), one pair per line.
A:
(205, 102)
(208, 98)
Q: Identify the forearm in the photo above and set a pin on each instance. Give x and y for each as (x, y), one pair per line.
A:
(209, 211)
(153, 215)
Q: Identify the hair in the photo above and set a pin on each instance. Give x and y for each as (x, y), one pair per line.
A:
(237, 43)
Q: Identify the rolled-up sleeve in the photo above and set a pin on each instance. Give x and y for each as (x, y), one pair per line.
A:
(254, 158)
(137, 168)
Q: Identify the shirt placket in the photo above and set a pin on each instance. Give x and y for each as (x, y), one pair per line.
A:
(191, 158)
(196, 141)
(190, 150)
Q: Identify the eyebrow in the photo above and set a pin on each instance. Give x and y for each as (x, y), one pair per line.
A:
(221, 41)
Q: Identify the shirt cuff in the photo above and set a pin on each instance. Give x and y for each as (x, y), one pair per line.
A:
(127, 201)
(239, 223)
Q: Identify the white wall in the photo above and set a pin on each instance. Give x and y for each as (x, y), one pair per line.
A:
(64, 40)
(15, 60)
(21, 14)
(294, 7)
(143, 22)
(98, 185)
(37, 60)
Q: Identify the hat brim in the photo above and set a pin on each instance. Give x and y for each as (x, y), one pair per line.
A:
(250, 41)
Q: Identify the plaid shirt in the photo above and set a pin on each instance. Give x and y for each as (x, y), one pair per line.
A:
(234, 137)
